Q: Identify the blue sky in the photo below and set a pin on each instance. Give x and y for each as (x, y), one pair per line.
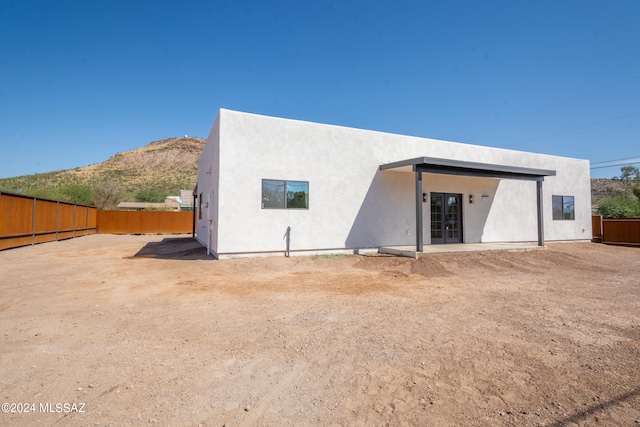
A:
(82, 80)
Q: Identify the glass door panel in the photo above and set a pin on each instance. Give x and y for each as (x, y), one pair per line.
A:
(437, 223)
(446, 218)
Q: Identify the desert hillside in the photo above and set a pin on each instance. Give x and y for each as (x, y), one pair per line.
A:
(160, 167)
(169, 165)
(602, 188)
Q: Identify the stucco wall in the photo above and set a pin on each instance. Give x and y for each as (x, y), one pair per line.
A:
(352, 204)
(208, 183)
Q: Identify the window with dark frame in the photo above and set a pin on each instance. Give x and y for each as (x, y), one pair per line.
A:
(280, 194)
(563, 207)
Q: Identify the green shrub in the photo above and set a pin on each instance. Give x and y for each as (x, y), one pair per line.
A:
(151, 196)
(80, 194)
(46, 193)
(619, 207)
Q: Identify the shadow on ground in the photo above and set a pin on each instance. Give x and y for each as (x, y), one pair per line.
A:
(581, 416)
(178, 248)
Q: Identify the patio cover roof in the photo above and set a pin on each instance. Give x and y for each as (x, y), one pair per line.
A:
(459, 167)
(421, 165)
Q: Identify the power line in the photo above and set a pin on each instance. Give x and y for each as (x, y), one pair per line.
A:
(550, 108)
(618, 162)
(574, 129)
(634, 158)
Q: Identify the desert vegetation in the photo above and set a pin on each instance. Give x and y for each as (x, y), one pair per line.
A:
(618, 197)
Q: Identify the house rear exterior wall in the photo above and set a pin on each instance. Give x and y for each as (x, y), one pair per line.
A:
(352, 204)
(208, 194)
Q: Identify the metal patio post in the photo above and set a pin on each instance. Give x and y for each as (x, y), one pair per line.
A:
(419, 211)
(540, 215)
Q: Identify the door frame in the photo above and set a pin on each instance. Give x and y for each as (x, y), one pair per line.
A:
(444, 218)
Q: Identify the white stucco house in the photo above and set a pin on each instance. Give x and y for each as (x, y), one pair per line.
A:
(343, 189)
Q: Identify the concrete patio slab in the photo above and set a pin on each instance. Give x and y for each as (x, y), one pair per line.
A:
(410, 251)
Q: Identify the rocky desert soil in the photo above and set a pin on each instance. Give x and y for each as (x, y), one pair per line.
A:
(138, 330)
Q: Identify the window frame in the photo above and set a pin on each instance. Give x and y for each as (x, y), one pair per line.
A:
(285, 198)
(564, 214)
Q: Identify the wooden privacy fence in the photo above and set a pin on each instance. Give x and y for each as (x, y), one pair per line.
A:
(621, 231)
(144, 222)
(26, 220)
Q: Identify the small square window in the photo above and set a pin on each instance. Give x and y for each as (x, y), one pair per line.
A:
(563, 207)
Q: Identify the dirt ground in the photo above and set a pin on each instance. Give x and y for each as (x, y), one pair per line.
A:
(137, 330)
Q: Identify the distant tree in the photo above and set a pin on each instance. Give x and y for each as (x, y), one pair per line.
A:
(629, 175)
(107, 197)
(636, 192)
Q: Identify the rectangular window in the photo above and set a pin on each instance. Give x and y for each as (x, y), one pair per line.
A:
(200, 207)
(279, 194)
(563, 207)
